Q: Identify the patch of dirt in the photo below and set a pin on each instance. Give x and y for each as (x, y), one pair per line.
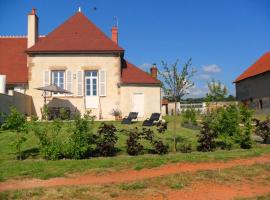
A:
(130, 175)
(210, 191)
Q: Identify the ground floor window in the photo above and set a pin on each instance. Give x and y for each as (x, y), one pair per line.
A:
(58, 78)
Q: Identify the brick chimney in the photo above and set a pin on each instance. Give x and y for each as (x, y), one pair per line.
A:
(32, 34)
(115, 34)
(154, 71)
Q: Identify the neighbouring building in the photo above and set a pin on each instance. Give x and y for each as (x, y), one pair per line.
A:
(80, 58)
(253, 85)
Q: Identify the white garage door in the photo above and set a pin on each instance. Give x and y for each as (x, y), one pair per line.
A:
(138, 104)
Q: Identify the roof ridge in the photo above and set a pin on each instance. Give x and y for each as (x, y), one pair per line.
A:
(18, 36)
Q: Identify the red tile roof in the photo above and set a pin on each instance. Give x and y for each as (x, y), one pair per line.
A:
(77, 34)
(134, 75)
(13, 59)
(260, 66)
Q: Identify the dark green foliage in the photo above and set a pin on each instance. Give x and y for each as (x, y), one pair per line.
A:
(16, 121)
(160, 147)
(162, 126)
(147, 134)
(263, 130)
(106, 140)
(133, 146)
(206, 138)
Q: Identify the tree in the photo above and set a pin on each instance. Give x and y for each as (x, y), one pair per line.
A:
(217, 91)
(176, 84)
(16, 121)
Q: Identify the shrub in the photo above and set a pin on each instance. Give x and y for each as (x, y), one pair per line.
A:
(81, 139)
(189, 117)
(133, 146)
(106, 140)
(44, 112)
(63, 114)
(52, 144)
(147, 134)
(245, 137)
(16, 121)
(263, 130)
(207, 136)
(161, 126)
(160, 147)
(226, 125)
(185, 147)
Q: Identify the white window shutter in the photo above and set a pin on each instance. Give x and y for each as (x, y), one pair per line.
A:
(80, 83)
(102, 83)
(69, 82)
(46, 80)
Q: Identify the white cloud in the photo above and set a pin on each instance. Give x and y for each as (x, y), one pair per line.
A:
(205, 76)
(211, 68)
(196, 92)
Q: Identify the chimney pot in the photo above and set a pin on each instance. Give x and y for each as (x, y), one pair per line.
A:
(34, 11)
(115, 34)
(154, 71)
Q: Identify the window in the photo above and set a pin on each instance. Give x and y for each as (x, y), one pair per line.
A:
(58, 78)
(91, 83)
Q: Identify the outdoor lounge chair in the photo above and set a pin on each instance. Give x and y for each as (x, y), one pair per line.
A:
(150, 121)
(130, 117)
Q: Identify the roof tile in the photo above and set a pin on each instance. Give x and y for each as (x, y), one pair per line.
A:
(260, 66)
(77, 34)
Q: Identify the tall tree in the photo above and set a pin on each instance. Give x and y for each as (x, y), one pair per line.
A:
(176, 84)
(217, 91)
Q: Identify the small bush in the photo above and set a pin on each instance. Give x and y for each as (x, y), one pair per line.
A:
(263, 130)
(162, 126)
(63, 114)
(206, 138)
(133, 146)
(82, 138)
(185, 147)
(160, 147)
(16, 121)
(147, 134)
(106, 140)
(189, 117)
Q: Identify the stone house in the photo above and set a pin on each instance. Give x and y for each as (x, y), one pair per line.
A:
(79, 57)
(253, 85)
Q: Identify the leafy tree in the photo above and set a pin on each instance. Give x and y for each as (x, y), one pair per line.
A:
(217, 91)
(176, 84)
(16, 121)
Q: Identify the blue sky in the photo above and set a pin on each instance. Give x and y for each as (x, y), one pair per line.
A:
(223, 37)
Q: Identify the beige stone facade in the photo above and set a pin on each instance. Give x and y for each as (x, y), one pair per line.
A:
(117, 96)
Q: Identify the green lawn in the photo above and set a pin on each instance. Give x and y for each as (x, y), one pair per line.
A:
(34, 166)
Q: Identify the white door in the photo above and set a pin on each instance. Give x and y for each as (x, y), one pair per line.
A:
(91, 89)
(138, 104)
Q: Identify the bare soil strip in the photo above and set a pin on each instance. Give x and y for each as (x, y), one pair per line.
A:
(130, 175)
(210, 191)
